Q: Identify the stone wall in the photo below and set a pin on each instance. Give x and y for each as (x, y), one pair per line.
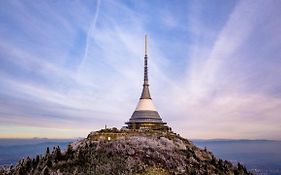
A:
(115, 134)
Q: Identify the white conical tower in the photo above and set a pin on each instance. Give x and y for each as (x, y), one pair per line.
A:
(145, 115)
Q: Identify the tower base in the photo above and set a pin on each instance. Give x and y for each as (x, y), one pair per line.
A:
(147, 125)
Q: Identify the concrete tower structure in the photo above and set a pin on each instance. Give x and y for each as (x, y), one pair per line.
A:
(145, 114)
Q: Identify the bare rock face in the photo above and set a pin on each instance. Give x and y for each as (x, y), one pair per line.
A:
(113, 151)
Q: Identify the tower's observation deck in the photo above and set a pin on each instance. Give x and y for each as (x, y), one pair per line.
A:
(145, 114)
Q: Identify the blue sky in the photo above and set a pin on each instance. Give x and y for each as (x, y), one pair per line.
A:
(71, 67)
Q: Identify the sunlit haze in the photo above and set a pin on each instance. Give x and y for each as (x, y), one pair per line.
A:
(71, 67)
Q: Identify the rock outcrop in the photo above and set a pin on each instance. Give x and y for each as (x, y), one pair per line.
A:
(113, 151)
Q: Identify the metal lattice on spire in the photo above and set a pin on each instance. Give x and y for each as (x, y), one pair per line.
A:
(145, 63)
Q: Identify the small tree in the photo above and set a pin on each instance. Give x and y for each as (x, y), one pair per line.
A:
(69, 154)
(33, 162)
(220, 165)
(241, 167)
(37, 160)
(58, 155)
(28, 164)
(48, 151)
(49, 162)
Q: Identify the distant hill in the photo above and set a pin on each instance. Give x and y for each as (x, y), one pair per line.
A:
(11, 150)
(263, 157)
(114, 151)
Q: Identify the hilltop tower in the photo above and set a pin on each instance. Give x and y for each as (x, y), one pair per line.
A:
(145, 114)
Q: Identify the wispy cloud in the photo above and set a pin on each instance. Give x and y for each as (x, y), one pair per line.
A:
(211, 68)
(218, 97)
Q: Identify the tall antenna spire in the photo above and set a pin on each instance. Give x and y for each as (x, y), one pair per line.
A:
(145, 92)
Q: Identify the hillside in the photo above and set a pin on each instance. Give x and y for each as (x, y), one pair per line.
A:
(113, 151)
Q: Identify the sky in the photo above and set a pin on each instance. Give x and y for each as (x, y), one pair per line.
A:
(71, 67)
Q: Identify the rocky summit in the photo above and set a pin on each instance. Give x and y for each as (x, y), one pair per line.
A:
(127, 152)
